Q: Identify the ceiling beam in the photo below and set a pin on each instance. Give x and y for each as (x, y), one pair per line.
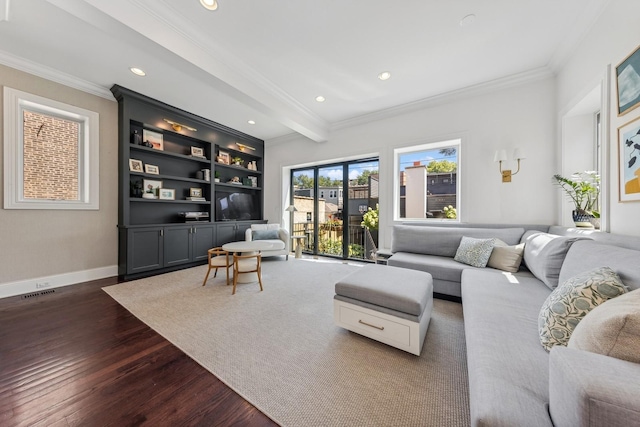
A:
(179, 36)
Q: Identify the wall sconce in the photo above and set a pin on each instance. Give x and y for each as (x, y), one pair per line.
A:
(501, 156)
(178, 126)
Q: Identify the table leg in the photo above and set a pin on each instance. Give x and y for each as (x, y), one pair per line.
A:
(298, 249)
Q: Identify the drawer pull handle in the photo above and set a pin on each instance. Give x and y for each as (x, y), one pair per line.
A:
(369, 324)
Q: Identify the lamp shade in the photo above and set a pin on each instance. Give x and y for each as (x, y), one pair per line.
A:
(518, 154)
(291, 208)
(500, 156)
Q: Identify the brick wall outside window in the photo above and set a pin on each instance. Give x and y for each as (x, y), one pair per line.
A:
(51, 155)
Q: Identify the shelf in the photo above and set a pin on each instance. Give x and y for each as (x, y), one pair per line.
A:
(190, 202)
(236, 168)
(169, 177)
(247, 187)
(134, 147)
(166, 224)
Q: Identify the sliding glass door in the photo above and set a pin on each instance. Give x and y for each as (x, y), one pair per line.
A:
(330, 208)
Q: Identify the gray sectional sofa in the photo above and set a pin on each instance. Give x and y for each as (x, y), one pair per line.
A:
(513, 380)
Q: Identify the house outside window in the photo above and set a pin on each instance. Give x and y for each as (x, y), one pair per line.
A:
(427, 181)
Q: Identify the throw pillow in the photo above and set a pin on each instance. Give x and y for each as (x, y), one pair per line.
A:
(505, 257)
(544, 254)
(571, 301)
(475, 252)
(265, 235)
(612, 329)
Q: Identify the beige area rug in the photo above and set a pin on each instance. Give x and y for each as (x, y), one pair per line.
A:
(281, 351)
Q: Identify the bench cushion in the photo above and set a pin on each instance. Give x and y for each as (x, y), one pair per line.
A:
(399, 289)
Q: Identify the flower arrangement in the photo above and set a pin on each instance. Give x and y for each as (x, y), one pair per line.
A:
(450, 212)
(370, 219)
(583, 188)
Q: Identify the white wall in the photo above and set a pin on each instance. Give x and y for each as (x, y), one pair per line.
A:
(519, 116)
(61, 247)
(614, 36)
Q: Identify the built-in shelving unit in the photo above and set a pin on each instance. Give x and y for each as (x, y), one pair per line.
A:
(156, 234)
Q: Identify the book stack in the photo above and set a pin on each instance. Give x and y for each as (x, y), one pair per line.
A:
(197, 199)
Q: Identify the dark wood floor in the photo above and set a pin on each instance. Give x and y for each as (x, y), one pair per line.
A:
(76, 357)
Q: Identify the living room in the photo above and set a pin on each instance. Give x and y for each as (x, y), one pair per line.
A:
(531, 110)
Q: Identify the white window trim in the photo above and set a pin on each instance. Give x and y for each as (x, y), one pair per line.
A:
(396, 176)
(15, 102)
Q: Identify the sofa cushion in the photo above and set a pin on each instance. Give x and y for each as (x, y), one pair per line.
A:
(475, 252)
(265, 226)
(612, 329)
(570, 302)
(544, 254)
(444, 241)
(505, 257)
(508, 369)
(264, 234)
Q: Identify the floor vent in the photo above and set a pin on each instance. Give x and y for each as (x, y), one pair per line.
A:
(37, 294)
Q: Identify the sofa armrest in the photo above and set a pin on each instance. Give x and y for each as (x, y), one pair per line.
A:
(248, 234)
(589, 389)
(284, 236)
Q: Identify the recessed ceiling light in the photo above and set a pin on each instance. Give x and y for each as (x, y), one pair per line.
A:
(251, 122)
(209, 4)
(137, 71)
(385, 75)
(320, 98)
(467, 20)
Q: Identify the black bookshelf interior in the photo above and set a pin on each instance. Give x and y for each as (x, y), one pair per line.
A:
(174, 230)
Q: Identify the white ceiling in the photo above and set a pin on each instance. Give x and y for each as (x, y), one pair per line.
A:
(268, 60)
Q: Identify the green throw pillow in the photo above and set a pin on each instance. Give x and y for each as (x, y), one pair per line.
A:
(475, 252)
(571, 301)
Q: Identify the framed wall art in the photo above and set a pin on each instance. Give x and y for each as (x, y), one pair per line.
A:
(151, 186)
(223, 157)
(135, 165)
(629, 161)
(197, 152)
(167, 194)
(154, 138)
(195, 192)
(628, 82)
(152, 169)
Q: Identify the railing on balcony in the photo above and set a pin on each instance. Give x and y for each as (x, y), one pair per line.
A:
(330, 235)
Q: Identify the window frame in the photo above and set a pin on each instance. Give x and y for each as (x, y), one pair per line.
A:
(15, 102)
(426, 146)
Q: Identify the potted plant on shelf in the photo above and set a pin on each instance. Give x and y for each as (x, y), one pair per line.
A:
(216, 176)
(583, 188)
(237, 161)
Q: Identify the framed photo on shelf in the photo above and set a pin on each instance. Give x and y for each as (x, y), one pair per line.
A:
(629, 161)
(151, 184)
(627, 79)
(197, 152)
(223, 157)
(167, 194)
(154, 138)
(135, 165)
(195, 192)
(152, 169)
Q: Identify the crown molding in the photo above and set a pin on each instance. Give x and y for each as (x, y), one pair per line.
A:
(284, 139)
(447, 97)
(13, 61)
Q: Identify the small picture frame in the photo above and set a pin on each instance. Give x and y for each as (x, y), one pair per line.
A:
(223, 157)
(151, 169)
(135, 165)
(167, 194)
(195, 192)
(151, 184)
(197, 152)
(153, 138)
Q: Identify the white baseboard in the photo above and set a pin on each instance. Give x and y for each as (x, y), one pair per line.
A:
(10, 289)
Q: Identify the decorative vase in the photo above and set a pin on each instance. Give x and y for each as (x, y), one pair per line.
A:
(582, 219)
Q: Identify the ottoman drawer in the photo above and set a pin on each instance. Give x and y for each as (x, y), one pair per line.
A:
(376, 327)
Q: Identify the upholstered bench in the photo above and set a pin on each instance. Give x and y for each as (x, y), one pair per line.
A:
(388, 304)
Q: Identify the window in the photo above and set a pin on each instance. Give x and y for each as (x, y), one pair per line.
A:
(50, 154)
(427, 181)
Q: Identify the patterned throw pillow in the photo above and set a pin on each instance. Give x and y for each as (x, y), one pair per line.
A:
(571, 301)
(475, 252)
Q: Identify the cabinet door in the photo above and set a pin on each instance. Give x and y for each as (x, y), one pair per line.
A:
(177, 245)
(203, 240)
(226, 233)
(242, 228)
(144, 249)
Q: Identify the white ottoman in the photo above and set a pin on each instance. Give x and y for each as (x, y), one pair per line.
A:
(388, 304)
